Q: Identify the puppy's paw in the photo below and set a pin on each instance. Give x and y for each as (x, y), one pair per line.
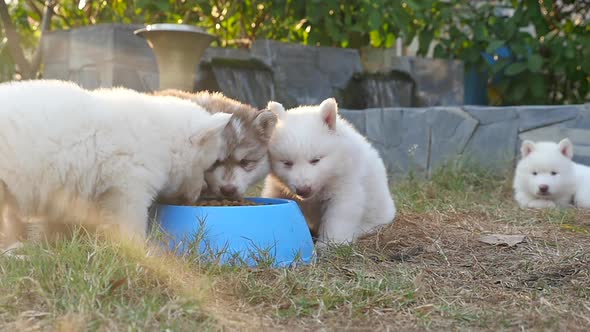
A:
(541, 204)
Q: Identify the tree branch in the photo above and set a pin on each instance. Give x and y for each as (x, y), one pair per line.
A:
(45, 25)
(13, 41)
(63, 18)
(35, 8)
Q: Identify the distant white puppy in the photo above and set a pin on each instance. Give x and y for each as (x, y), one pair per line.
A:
(547, 177)
(319, 160)
(116, 148)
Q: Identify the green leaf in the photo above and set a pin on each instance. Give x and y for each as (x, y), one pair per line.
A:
(494, 45)
(376, 40)
(389, 40)
(537, 84)
(481, 33)
(535, 63)
(584, 88)
(515, 68)
(439, 51)
(163, 5)
(415, 5)
(517, 92)
(471, 55)
(374, 19)
(425, 39)
(570, 53)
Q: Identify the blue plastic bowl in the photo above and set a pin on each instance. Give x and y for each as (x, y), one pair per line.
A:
(276, 232)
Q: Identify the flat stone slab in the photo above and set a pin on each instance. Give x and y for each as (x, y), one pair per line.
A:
(493, 145)
(486, 115)
(450, 131)
(305, 75)
(356, 118)
(531, 117)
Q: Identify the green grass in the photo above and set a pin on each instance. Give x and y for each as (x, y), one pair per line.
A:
(427, 271)
(92, 284)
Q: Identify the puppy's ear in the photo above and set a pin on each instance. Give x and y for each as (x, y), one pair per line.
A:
(264, 123)
(526, 148)
(276, 108)
(566, 148)
(329, 112)
(212, 130)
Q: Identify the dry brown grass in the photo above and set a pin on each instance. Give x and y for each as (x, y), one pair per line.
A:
(427, 271)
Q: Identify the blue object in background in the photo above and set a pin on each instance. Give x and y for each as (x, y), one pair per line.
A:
(475, 83)
(502, 53)
(475, 87)
(252, 234)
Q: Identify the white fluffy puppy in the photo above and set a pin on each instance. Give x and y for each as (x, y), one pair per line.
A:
(319, 160)
(547, 177)
(115, 148)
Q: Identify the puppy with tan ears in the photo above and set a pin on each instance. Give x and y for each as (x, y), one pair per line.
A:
(339, 180)
(245, 159)
(546, 176)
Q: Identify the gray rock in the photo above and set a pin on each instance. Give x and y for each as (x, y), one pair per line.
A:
(90, 45)
(493, 146)
(583, 118)
(131, 50)
(87, 77)
(439, 82)
(451, 129)
(356, 118)
(251, 84)
(149, 80)
(393, 89)
(412, 155)
(127, 76)
(58, 71)
(486, 115)
(532, 117)
(582, 153)
(102, 55)
(549, 133)
(56, 47)
(305, 75)
(383, 126)
(581, 140)
(227, 53)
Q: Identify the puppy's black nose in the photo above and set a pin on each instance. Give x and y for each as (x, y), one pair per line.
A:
(304, 191)
(228, 190)
(544, 188)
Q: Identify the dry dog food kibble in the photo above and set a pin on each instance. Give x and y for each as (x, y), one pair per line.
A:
(225, 202)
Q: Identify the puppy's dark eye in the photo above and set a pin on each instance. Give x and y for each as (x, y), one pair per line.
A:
(314, 161)
(287, 163)
(535, 173)
(553, 173)
(245, 163)
(217, 163)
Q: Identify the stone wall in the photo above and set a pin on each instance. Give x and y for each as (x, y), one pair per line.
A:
(423, 139)
(418, 139)
(107, 55)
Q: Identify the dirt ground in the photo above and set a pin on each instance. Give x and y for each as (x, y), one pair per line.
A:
(428, 271)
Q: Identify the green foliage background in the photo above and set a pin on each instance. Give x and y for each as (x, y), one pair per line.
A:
(552, 67)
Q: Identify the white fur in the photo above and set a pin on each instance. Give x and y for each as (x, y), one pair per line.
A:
(550, 164)
(349, 188)
(114, 147)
